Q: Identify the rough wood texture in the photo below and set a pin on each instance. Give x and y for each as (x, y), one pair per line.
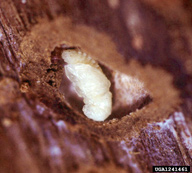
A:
(39, 133)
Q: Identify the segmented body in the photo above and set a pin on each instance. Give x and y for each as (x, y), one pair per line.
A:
(90, 83)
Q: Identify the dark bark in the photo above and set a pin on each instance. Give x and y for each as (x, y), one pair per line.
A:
(39, 133)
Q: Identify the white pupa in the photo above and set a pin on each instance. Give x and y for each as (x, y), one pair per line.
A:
(90, 83)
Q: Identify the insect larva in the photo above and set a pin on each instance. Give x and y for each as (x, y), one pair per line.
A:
(90, 83)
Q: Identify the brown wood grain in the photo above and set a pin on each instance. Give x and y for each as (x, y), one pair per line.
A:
(36, 133)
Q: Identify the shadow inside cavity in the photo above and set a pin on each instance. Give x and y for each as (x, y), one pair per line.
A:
(75, 102)
(122, 111)
(70, 95)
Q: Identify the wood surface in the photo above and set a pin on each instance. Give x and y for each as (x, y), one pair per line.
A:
(38, 133)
